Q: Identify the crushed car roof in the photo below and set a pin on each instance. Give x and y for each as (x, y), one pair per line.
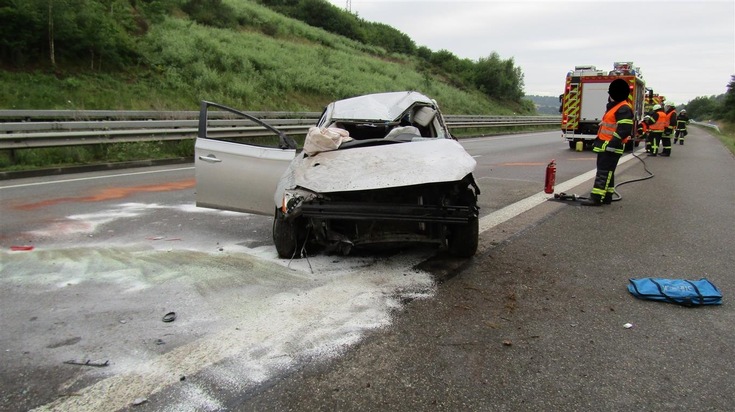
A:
(380, 106)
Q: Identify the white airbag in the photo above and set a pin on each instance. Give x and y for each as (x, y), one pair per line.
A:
(324, 139)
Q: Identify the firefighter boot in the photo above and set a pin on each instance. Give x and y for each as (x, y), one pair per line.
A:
(593, 200)
(607, 200)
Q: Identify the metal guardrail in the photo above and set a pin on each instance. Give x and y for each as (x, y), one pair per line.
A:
(21, 129)
(710, 125)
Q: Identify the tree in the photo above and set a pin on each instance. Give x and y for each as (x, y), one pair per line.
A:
(702, 108)
(22, 21)
(69, 31)
(389, 38)
(498, 78)
(320, 13)
(727, 109)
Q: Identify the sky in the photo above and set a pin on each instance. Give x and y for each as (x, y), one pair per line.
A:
(684, 48)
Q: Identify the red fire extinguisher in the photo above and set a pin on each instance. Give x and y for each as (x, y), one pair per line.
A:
(550, 177)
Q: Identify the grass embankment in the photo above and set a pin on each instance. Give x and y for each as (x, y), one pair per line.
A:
(276, 64)
(727, 136)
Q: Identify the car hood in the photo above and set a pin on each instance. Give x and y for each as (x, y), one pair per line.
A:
(379, 167)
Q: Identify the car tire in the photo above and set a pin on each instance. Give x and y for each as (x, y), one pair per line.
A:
(463, 239)
(288, 235)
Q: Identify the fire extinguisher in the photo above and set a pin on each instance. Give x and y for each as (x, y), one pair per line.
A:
(550, 177)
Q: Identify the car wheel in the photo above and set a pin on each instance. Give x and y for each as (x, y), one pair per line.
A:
(288, 235)
(463, 239)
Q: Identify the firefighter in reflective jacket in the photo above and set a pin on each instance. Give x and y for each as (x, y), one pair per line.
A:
(657, 122)
(681, 127)
(669, 131)
(615, 130)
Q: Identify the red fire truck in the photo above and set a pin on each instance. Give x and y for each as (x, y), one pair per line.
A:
(585, 98)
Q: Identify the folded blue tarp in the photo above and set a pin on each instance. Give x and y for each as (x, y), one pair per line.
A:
(679, 291)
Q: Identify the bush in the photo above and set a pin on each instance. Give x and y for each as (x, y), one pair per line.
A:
(211, 13)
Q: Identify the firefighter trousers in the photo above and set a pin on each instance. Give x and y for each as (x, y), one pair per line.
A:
(666, 145)
(604, 186)
(680, 134)
(654, 141)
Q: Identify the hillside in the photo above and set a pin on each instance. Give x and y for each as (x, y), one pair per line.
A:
(259, 60)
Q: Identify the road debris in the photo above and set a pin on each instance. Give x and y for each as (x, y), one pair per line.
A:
(164, 238)
(96, 364)
(22, 248)
(169, 317)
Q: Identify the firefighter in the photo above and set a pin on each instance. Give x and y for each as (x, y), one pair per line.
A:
(615, 130)
(669, 130)
(656, 121)
(681, 127)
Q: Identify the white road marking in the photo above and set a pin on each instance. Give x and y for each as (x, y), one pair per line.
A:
(511, 211)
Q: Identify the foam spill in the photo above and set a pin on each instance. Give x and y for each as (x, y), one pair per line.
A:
(242, 307)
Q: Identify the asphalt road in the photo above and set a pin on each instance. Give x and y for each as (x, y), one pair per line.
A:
(533, 322)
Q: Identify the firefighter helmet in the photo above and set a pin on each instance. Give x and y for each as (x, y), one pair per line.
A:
(656, 107)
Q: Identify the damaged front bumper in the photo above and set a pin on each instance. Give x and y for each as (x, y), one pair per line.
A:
(450, 214)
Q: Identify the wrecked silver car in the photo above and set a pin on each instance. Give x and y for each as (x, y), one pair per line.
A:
(376, 169)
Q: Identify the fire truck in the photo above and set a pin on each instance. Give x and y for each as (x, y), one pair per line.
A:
(585, 99)
(653, 99)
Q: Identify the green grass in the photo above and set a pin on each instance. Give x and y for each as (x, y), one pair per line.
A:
(88, 91)
(727, 136)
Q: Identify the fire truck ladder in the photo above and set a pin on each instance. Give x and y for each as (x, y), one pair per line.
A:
(572, 107)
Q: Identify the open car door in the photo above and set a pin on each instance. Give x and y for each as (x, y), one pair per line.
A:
(236, 170)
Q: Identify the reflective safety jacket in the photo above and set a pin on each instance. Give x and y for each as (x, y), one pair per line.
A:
(615, 129)
(671, 119)
(658, 121)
